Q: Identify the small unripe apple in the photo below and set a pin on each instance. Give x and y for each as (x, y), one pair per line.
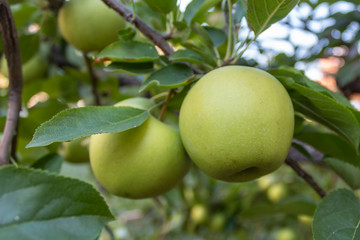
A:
(89, 25)
(199, 213)
(277, 191)
(286, 234)
(33, 69)
(237, 123)
(76, 151)
(142, 162)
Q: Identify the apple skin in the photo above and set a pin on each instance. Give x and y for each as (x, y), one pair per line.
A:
(142, 162)
(89, 25)
(76, 151)
(237, 123)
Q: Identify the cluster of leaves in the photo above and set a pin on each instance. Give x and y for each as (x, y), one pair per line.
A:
(204, 38)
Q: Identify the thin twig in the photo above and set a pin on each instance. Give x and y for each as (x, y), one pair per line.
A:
(230, 32)
(94, 80)
(150, 33)
(305, 175)
(163, 109)
(157, 38)
(12, 53)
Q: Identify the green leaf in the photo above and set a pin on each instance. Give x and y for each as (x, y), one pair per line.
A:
(330, 144)
(196, 8)
(294, 205)
(187, 55)
(337, 217)
(172, 76)
(25, 41)
(22, 14)
(139, 68)
(127, 33)
(348, 172)
(80, 122)
(322, 107)
(262, 13)
(129, 51)
(217, 36)
(348, 72)
(51, 162)
(38, 205)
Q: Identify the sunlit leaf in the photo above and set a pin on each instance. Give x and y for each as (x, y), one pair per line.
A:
(80, 122)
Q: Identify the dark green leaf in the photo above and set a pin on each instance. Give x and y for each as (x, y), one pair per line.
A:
(38, 205)
(295, 205)
(129, 51)
(25, 41)
(301, 149)
(328, 109)
(187, 55)
(196, 8)
(217, 36)
(127, 33)
(337, 217)
(171, 76)
(139, 68)
(80, 122)
(51, 162)
(348, 73)
(330, 144)
(22, 14)
(262, 13)
(348, 172)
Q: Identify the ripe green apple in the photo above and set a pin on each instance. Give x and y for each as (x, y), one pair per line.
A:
(162, 6)
(237, 123)
(33, 69)
(76, 151)
(89, 25)
(142, 162)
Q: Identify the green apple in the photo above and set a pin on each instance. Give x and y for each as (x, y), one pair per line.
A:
(161, 6)
(142, 162)
(76, 151)
(198, 213)
(218, 222)
(237, 123)
(286, 234)
(33, 69)
(89, 25)
(277, 191)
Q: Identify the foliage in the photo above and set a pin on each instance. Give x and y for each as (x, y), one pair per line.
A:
(38, 201)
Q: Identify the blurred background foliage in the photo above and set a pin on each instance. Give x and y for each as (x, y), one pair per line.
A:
(320, 37)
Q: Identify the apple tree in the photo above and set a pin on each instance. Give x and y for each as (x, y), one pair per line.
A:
(174, 119)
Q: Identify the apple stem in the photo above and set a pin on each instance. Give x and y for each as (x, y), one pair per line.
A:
(230, 32)
(12, 53)
(306, 176)
(94, 80)
(163, 109)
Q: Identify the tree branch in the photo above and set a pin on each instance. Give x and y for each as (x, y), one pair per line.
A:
(12, 53)
(150, 33)
(303, 174)
(158, 39)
